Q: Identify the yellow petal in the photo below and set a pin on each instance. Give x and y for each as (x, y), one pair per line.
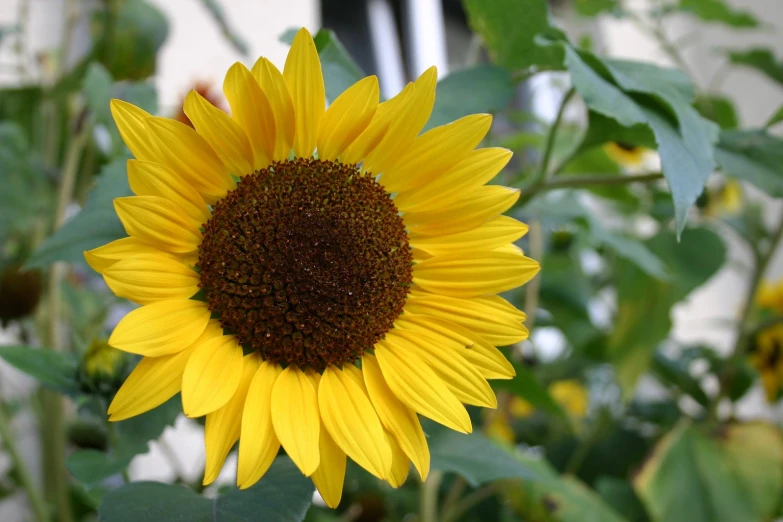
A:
(161, 328)
(222, 133)
(417, 386)
(476, 315)
(153, 220)
(501, 306)
(273, 84)
(258, 445)
(147, 278)
(405, 126)
(250, 108)
(221, 429)
(105, 256)
(479, 167)
(153, 179)
(185, 152)
(130, 122)
(396, 417)
(349, 417)
(489, 361)
(330, 475)
(491, 235)
(302, 73)
(511, 249)
(436, 151)
(347, 117)
(211, 376)
(379, 125)
(474, 209)
(296, 419)
(401, 464)
(445, 359)
(471, 274)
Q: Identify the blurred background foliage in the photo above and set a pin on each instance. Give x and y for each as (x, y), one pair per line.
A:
(630, 205)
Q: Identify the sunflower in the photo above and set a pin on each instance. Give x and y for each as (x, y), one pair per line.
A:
(625, 154)
(314, 278)
(767, 358)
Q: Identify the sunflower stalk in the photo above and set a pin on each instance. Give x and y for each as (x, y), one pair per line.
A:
(429, 497)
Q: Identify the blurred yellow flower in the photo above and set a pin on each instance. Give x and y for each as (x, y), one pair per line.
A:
(625, 154)
(101, 360)
(767, 357)
(770, 296)
(571, 395)
(725, 200)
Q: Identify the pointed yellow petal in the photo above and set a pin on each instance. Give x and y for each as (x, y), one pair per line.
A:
(221, 429)
(130, 122)
(379, 125)
(161, 328)
(153, 179)
(302, 73)
(510, 249)
(330, 475)
(211, 376)
(153, 220)
(501, 306)
(347, 117)
(401, 464)
(147, 278)
(491, 235)
(405, 125)
(185, 152)
(258, 445)
(479, 167)
(250, 108)
(471, 274)
(396, 417)
(352, 422)
(223, 134)
(105, 256)
(489, 361)
(417, 386)
(446, 360)
(476, 315)
(436, 151)
(476, 208)
(273, 84)
(296, 419)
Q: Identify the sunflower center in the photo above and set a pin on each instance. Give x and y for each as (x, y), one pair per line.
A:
(307, 262)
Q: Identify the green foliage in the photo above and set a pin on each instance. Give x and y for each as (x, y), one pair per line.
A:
(595, 7)
(696, 476)
(283, 495)
(97, 224)
(719, 11)
(57, 371)
(762, 60)
(218, 15)
(718, 109)
(755, 156)
(526, 384)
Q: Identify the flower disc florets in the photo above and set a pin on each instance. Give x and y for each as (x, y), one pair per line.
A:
(307, 262)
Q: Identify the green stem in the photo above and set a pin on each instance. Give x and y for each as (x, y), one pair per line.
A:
(453, 495)
(429, 497)
(533, 288)
(472, 499)
(762, 263)
(9, 441)
(590, 180)
(551, 137)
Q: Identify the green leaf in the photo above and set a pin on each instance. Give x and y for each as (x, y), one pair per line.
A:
(474, 457)
(692, 477)
(96, 225)
(509, 29)
(97, 86)
(527, 386)
(283, 495)
(339, 69)
(775, 118)
(595, 7)
(137, 32)
(675, 371)
(762, 60)
(755, 156)
(644, 304)
(55, 370)
(719, 11)
(229, 33)
(620, 496)
(719, 109)
(133, 437)
(485, 88)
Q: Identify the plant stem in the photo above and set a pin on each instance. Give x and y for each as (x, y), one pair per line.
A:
(762, 262)
(453, 495)
(470, 500)
(429, 497)
(9, 441)
(590, 180)
(533, 288)
(551, 137)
